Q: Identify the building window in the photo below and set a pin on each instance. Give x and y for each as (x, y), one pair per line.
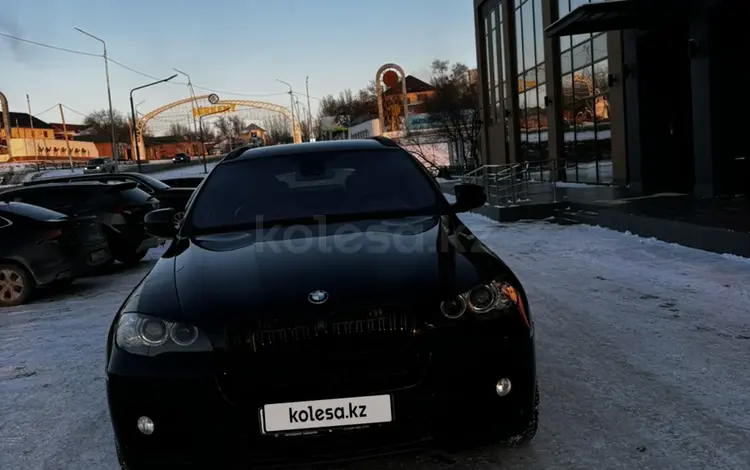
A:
(494, 65)
(585, 87)
(532, 90)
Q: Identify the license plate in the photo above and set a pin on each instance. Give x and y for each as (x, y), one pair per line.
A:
(357, 411)
(98, 255)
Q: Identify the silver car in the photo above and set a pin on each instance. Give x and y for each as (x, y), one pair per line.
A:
(100, 165)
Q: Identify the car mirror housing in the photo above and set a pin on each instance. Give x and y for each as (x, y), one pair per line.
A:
(468, 197)
(161, 223)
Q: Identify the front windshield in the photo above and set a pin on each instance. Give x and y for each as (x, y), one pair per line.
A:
(96, 161)
(299, 186)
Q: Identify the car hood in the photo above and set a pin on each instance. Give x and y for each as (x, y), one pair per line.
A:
(267, 271)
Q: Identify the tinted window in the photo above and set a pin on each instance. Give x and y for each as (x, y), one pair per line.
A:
(51, 198)
(30, 211)
(134, 196)
(313, 184)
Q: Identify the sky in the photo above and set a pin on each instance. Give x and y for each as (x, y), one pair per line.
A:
(233, 46)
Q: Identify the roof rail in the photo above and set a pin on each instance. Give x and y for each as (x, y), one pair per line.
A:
(385, 141)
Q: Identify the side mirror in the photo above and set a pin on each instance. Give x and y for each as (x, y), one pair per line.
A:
(468, 197)
(161, 223)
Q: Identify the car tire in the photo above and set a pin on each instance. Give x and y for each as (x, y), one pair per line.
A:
(16, 285)
(530, 427)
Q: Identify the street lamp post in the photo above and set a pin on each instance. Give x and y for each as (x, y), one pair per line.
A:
(115, 150)
(194, 102)
(291, 107)
(309, 110)
(203, 137)
(132, 112)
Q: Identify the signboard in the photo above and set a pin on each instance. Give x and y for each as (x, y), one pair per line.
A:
(205, 110)
(213, 98)
(422, 121)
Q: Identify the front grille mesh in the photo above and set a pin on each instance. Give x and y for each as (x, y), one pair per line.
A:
(363, 326)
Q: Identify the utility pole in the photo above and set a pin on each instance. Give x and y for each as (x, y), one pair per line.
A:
(132, 112)
(6, 123)
(194, 102)
(115, 149)
(31, 124)
(291, 107)
(67, 140)
(309, 110)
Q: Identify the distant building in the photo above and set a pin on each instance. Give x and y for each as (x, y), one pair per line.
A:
(417, 94)
(34, 139)
(254, 135)
(72, 129)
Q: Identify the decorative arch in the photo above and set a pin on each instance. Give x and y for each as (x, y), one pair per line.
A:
(141, 124)
(379, 91)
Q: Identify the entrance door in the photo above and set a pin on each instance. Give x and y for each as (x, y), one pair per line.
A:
(663, 68)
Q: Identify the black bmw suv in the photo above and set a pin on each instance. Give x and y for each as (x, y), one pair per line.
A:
(320, 301)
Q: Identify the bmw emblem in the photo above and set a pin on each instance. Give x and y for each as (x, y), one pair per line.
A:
(318, 297)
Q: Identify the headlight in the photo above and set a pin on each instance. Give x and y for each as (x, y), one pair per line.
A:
(484, 302)
(149, 336)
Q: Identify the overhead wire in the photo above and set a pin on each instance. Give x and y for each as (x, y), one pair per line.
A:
(138, 72)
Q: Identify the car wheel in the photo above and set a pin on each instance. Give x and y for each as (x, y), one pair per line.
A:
(16, 285)
(531, 426)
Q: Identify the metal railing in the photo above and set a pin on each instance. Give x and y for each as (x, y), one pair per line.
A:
(516, 183)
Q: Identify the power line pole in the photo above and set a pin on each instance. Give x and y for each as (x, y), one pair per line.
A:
(67, 140)
(115, 149)
(291, 107)
(31, 124)
(311, 135)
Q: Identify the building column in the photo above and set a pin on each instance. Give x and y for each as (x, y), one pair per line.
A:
(617, 120)
(553, 73)
(631, 101)
(514, 137)
(484, 153)
(700, 69)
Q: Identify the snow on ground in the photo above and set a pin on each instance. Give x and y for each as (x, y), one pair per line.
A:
(642, 351)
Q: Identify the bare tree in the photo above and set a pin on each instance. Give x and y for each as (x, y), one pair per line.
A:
(454, 107)
(424, 147)
(98, 123)
(223, 127)
(178, 128)
(279, 130)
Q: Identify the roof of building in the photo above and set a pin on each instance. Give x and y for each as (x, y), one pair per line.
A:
(58, 126)
(312, 147)
(255, 127)
(22, 120)
(413, 85)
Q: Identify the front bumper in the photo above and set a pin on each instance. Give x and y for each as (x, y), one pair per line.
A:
(202, 416)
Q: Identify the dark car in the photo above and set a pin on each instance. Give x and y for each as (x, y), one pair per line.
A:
(100, 165)
(119, 208)
(42, 247)
(181, 158)
(168, 196)
(319, 301)
(191, 182)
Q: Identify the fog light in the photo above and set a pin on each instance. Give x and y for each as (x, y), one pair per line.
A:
(146, 426)
(502, 387)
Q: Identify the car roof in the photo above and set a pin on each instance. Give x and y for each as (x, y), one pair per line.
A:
(313, 147)
(29, 210)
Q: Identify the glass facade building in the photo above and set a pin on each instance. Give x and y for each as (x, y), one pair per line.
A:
(627, 92)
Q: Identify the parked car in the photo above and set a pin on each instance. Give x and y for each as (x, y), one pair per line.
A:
(100, 165)
(290, 336)
(119, 208)
(168, 196)
(41, 248)
(181, 158)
